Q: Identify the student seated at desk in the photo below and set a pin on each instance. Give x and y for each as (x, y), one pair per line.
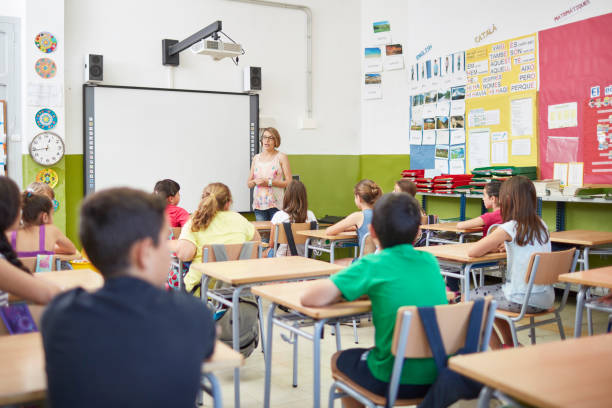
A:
(295, 210)
(211, 223)
(15, 278)
(38, 235)
(169, 190)
(407, 186)
(366, 193)
(490, 198)
(397, 276)
(38, 187)
(130, 344)
(521, 234)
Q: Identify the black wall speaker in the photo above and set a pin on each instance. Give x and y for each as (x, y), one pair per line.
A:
(94, 71)
(252, 79)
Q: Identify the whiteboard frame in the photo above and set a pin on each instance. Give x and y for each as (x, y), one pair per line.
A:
(89, 128)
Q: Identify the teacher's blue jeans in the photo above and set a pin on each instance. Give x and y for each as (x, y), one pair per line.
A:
(265, 215)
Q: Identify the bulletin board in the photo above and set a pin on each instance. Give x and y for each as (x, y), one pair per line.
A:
(501, 103)
(575, 98)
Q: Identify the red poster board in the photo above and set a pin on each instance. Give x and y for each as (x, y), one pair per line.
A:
(573, 59)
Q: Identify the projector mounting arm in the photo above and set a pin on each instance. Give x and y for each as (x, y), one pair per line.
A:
(172, 48)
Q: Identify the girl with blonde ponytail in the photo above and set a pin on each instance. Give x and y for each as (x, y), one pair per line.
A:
(212, 223)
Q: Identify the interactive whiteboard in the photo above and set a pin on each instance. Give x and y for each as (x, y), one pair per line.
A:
(137, 136)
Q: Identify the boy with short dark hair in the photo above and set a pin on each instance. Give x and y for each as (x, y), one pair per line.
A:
(130, 343)
(169, 190)
(397, 276)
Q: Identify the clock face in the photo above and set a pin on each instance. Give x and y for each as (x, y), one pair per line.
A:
(47, 148)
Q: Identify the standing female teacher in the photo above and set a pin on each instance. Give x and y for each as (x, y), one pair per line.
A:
(270, 174)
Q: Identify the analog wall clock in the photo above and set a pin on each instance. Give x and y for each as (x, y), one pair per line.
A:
(47, 148)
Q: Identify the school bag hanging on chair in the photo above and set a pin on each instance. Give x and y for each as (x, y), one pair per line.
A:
(247, 309)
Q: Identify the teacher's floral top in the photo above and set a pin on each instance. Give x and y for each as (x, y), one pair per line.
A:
(265, 197)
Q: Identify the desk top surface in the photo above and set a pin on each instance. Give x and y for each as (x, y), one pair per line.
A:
(449, 226)
(600, 277)
(266, 269)
(569, 373)
(322, 234)
(68, 279)
(581, 237)
(289, 294)
(458, 253)
(262, 225)
(22, 369)
(222, 358)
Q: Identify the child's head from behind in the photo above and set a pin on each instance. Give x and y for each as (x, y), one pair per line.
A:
(518, 202)
(366, 193)
(491, 193)
(405, 186)
(37, 187)
(168, 190)
(295, 201)
(215, 197)
(396, 219)
(37, 209)
(10, 204)
(123, 232)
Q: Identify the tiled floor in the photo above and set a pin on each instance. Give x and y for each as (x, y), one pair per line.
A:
(285, 396)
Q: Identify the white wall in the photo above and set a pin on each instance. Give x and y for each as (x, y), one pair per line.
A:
(449, 26)
(129, 34)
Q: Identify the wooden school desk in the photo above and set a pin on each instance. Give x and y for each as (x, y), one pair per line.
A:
(22, 369)
(328, 243)
(69, 279)
(288, 295)
(224, 357)
(447, 227)
(600, 277)
(585, 240)
(243, 274)
(569, 373)
(455, 256)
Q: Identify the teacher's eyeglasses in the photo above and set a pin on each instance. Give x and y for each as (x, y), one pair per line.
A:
(271, 138)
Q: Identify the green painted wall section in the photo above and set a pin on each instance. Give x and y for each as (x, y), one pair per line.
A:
(329, 181)
(31, 170)
(385, 170)
(74, 195)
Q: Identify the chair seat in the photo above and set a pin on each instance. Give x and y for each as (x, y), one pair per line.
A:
(375, 398)
(514, 314)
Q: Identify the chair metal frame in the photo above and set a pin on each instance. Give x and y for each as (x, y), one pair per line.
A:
(513, 320)
(400, 352)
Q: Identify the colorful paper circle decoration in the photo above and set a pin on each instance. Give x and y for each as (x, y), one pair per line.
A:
(46, 119)
(48, 176)
(45, 67)
(55, 205)
(45, 42)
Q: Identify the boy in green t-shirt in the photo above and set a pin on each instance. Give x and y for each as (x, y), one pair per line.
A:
(397, 276)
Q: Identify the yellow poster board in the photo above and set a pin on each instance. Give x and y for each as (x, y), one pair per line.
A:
(501, 103)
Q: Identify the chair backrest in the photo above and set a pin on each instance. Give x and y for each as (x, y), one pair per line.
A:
(453, 322)
(176, 232)
(232, 250)
(280, 237)
(367, 245)
(492, 228)
(547, 266)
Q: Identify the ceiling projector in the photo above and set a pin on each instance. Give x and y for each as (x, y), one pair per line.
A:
(217, 49)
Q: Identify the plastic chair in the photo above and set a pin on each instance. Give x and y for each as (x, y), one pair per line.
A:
(410, 341)
(544, 269)
(279, 235)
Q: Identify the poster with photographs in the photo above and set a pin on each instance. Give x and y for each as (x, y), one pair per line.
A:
(372, 86)
(394, 58)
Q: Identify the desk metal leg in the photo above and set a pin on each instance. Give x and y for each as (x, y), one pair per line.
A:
(295, 359)
(466, 282)
(268, 356)
(306, 244)
(338, 341)
(427, 235)
(461, 237)
(332, 251)
(318, 330)
(236, 340)
(261, 323)
(579, 307)
(484, 398)
(215, 390)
